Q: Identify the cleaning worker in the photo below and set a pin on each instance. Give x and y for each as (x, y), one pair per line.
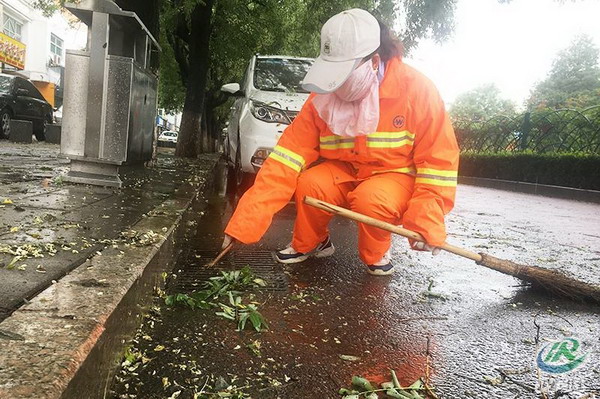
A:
(385, 145)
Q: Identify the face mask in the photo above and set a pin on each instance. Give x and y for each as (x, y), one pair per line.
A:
(358, 84)
(353, 109)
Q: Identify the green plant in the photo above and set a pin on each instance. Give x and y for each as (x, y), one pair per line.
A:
(230, 284)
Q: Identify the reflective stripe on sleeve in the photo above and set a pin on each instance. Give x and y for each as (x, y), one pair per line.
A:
(390, 139)
(437, 177)
(288, 158)
(335, 142)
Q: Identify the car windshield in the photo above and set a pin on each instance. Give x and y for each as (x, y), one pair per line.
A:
(280, 74)
(5, 84)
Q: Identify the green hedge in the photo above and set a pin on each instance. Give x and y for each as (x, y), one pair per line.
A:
(557, 169)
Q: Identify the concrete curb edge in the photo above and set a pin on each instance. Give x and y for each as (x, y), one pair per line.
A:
(66, 342)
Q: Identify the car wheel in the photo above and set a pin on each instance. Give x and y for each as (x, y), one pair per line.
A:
(238, 180)
(5, 117)
(40, 131)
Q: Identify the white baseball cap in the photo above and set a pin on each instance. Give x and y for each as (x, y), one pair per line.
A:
(346, 38)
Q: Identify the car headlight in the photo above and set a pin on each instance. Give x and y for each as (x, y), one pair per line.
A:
(259, 157)
(269, 114)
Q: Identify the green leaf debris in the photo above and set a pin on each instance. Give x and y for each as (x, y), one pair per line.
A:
(228, 285)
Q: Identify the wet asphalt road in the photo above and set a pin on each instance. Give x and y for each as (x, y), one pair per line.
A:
(470, 331)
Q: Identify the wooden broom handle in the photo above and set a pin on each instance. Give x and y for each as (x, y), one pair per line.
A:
(337, 210)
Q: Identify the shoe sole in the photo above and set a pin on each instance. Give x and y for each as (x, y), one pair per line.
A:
(291, 260)
(380, 272)
(321, 254)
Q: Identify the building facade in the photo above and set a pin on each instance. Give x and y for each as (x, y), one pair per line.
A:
(166, 121)
(33, 45)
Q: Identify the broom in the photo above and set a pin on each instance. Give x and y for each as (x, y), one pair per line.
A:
(551, 280)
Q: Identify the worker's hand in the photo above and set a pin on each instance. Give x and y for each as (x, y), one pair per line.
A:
(422, 246)
(227, 241)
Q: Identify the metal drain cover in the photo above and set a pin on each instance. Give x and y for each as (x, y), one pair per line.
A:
(261, 262)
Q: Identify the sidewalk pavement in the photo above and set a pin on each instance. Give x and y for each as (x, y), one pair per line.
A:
(81, 248)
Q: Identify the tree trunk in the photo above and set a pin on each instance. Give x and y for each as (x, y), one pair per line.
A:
(204, 133)
(210, 131)
(189, 139)
(214, 98)
(213, 131)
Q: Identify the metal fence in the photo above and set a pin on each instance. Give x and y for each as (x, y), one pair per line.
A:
(565, 130)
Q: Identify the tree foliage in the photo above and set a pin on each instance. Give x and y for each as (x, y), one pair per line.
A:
(574, 79)
(481, 104)
(47, 7)
(207, 43)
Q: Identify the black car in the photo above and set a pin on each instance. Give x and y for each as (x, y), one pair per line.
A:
(20, 99)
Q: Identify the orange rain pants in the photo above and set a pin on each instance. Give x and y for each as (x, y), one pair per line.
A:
(382, 196)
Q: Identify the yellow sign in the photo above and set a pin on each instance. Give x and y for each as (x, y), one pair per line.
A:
(12, 52)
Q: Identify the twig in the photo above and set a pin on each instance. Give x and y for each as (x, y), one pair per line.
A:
(430, 392)
(509, 378)
(221, 254)
(537, 326)
(204, 386)
(541, 384)
(428, 389)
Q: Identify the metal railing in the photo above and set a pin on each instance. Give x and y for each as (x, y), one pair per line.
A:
(564, 130)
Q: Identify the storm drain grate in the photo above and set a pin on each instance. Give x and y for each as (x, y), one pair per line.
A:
(261, 262)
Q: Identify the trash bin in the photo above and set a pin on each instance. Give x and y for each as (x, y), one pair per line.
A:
(110, 94)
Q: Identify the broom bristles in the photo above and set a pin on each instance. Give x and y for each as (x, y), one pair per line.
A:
(551, 280)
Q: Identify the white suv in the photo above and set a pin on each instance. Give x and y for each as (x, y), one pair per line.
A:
(268, 100)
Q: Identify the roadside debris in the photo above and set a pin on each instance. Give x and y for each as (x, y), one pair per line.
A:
(231, 285)
(365, 389)
(431, 294)
(137, 238)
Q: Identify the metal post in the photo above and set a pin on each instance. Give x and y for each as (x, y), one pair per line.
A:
(95, 118)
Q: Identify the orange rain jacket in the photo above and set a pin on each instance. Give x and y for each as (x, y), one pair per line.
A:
(414, 136)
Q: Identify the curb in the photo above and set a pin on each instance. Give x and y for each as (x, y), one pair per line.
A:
(532, 188)
(68, 340)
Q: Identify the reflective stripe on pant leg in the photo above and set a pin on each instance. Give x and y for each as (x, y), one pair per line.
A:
(311, 223)
(384, 197)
